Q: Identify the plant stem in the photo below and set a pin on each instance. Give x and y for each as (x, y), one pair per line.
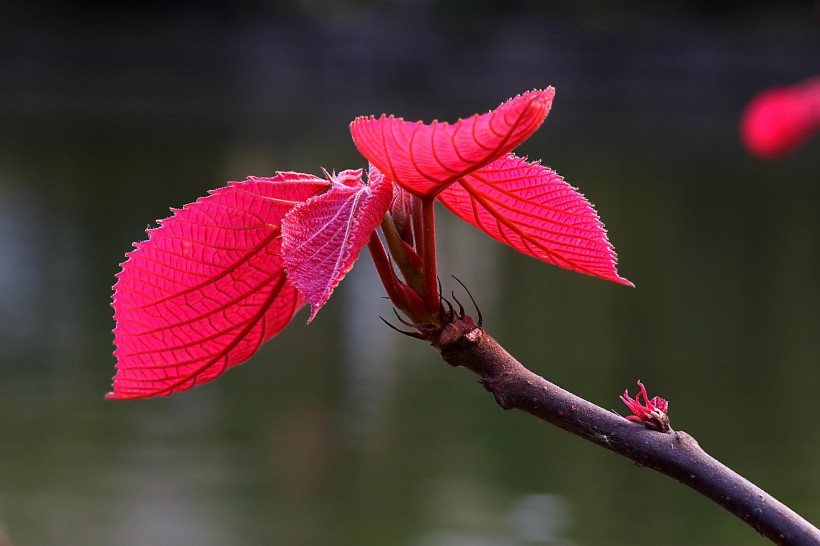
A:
(385, 269)
(418, 229)
(675, 454)
(428, 256)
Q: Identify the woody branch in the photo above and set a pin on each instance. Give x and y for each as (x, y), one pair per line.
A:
(462, 343)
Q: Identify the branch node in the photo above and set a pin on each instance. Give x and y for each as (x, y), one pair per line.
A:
(473, 335)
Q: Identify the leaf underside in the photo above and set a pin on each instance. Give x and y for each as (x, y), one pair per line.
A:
(324, 236)
(424, 159)
(207, 288)
(532, 209)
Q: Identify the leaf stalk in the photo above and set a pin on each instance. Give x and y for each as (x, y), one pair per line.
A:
(428, 256)
(385, 270)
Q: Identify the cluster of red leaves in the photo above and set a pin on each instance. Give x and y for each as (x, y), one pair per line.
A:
(228, 272)
(780, 119)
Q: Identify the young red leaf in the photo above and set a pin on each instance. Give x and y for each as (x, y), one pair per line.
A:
(652, 413)
(425, 159)
(322, 237)
(532, 209)
(401, 211)
(207, 288)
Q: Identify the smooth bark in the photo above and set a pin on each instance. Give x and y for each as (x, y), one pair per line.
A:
(463, 343)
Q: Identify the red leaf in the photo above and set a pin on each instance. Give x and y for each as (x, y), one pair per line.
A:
(424, 159)
(322, 237)
(207, 288)
(779, 120)
(531, 208)
(401, 211)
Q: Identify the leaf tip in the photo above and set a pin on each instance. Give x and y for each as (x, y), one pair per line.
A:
(314, 310)
(624, 281)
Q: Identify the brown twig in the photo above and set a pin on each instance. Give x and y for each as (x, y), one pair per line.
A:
(462, 343)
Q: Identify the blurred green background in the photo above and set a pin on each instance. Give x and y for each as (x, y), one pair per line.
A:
(343, 432)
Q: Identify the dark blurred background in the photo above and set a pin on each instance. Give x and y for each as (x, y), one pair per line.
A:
(343, 432)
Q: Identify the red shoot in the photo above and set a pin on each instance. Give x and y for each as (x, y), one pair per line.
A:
(652, 413)
(779, 120)
(323, 236)
(207, 288)
(425, 159)
(228, 272)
